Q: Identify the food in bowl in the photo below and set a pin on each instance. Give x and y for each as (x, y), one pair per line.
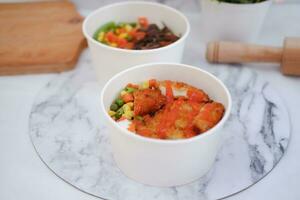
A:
(156, 161)
(138, 35)
(165, 109)
(105, 57)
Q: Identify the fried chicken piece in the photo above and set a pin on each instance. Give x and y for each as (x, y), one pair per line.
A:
(197, 95)
(148, 101)
(209, 115)
(183, 89)
(174, 121)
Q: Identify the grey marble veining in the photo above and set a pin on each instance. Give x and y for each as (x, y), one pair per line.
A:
(68, 133)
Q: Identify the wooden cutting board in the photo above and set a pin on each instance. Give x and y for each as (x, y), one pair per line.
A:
(39, 37)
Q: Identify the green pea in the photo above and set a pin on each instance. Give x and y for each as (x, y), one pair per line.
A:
(130, 89)
(119, 113)
(104, 28)
(133, 24)
(119, 102)
(114, 107)
(117, 116)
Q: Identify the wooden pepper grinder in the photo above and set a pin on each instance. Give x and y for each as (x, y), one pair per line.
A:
(235, 52)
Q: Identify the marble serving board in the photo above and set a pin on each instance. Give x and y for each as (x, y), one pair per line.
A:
(68, 132)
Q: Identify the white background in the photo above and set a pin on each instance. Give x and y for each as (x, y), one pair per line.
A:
(24, 176)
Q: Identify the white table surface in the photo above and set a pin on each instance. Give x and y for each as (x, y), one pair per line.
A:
(24, 176)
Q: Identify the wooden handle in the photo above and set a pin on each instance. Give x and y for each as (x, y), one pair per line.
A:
(234, 52)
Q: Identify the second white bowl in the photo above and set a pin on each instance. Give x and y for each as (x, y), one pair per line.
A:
(231, 21)
(108, 60)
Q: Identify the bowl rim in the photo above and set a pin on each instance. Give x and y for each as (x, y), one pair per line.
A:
(161, 141)
(180, 40)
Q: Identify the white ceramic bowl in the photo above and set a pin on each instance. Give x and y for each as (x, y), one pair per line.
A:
(165, 162)
(231, 21)
(108, 60)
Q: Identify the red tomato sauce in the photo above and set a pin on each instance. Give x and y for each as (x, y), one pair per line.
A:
(167, 116)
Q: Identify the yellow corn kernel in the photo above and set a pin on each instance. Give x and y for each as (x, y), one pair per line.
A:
(101, 36)
(130, 104)
(111, 113)
(113, 44)
(145, 85)
(126, 108)
(123, 92)
(128, 115)
(128, 27)
(123, 35)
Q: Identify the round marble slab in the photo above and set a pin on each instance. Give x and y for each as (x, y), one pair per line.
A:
(68, 133)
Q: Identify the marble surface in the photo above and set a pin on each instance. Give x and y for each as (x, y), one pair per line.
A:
(23, 176)
(67, 131)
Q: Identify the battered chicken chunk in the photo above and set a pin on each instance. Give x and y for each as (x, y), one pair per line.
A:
(166, 109)
(183, 89)
(148, 101)
(174, 121)
(209, 115)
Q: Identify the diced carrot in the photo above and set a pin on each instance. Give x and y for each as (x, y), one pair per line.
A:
(169, 91)
(152, 83)
(162, 133)
(132, 127)
(145, 132)
(139, 35)
(189, 134)
(122, 30)
(143, 21)
(132, 32)
(128, 97)
(117, 31)
(137, 109)
(196, 95)
(147, 118)
(129, 45)
(111, 37)
(122, 42)
(132, 85)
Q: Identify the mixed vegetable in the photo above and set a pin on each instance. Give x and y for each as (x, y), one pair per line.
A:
(165, 109)
(122, 107)
(137, 35)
